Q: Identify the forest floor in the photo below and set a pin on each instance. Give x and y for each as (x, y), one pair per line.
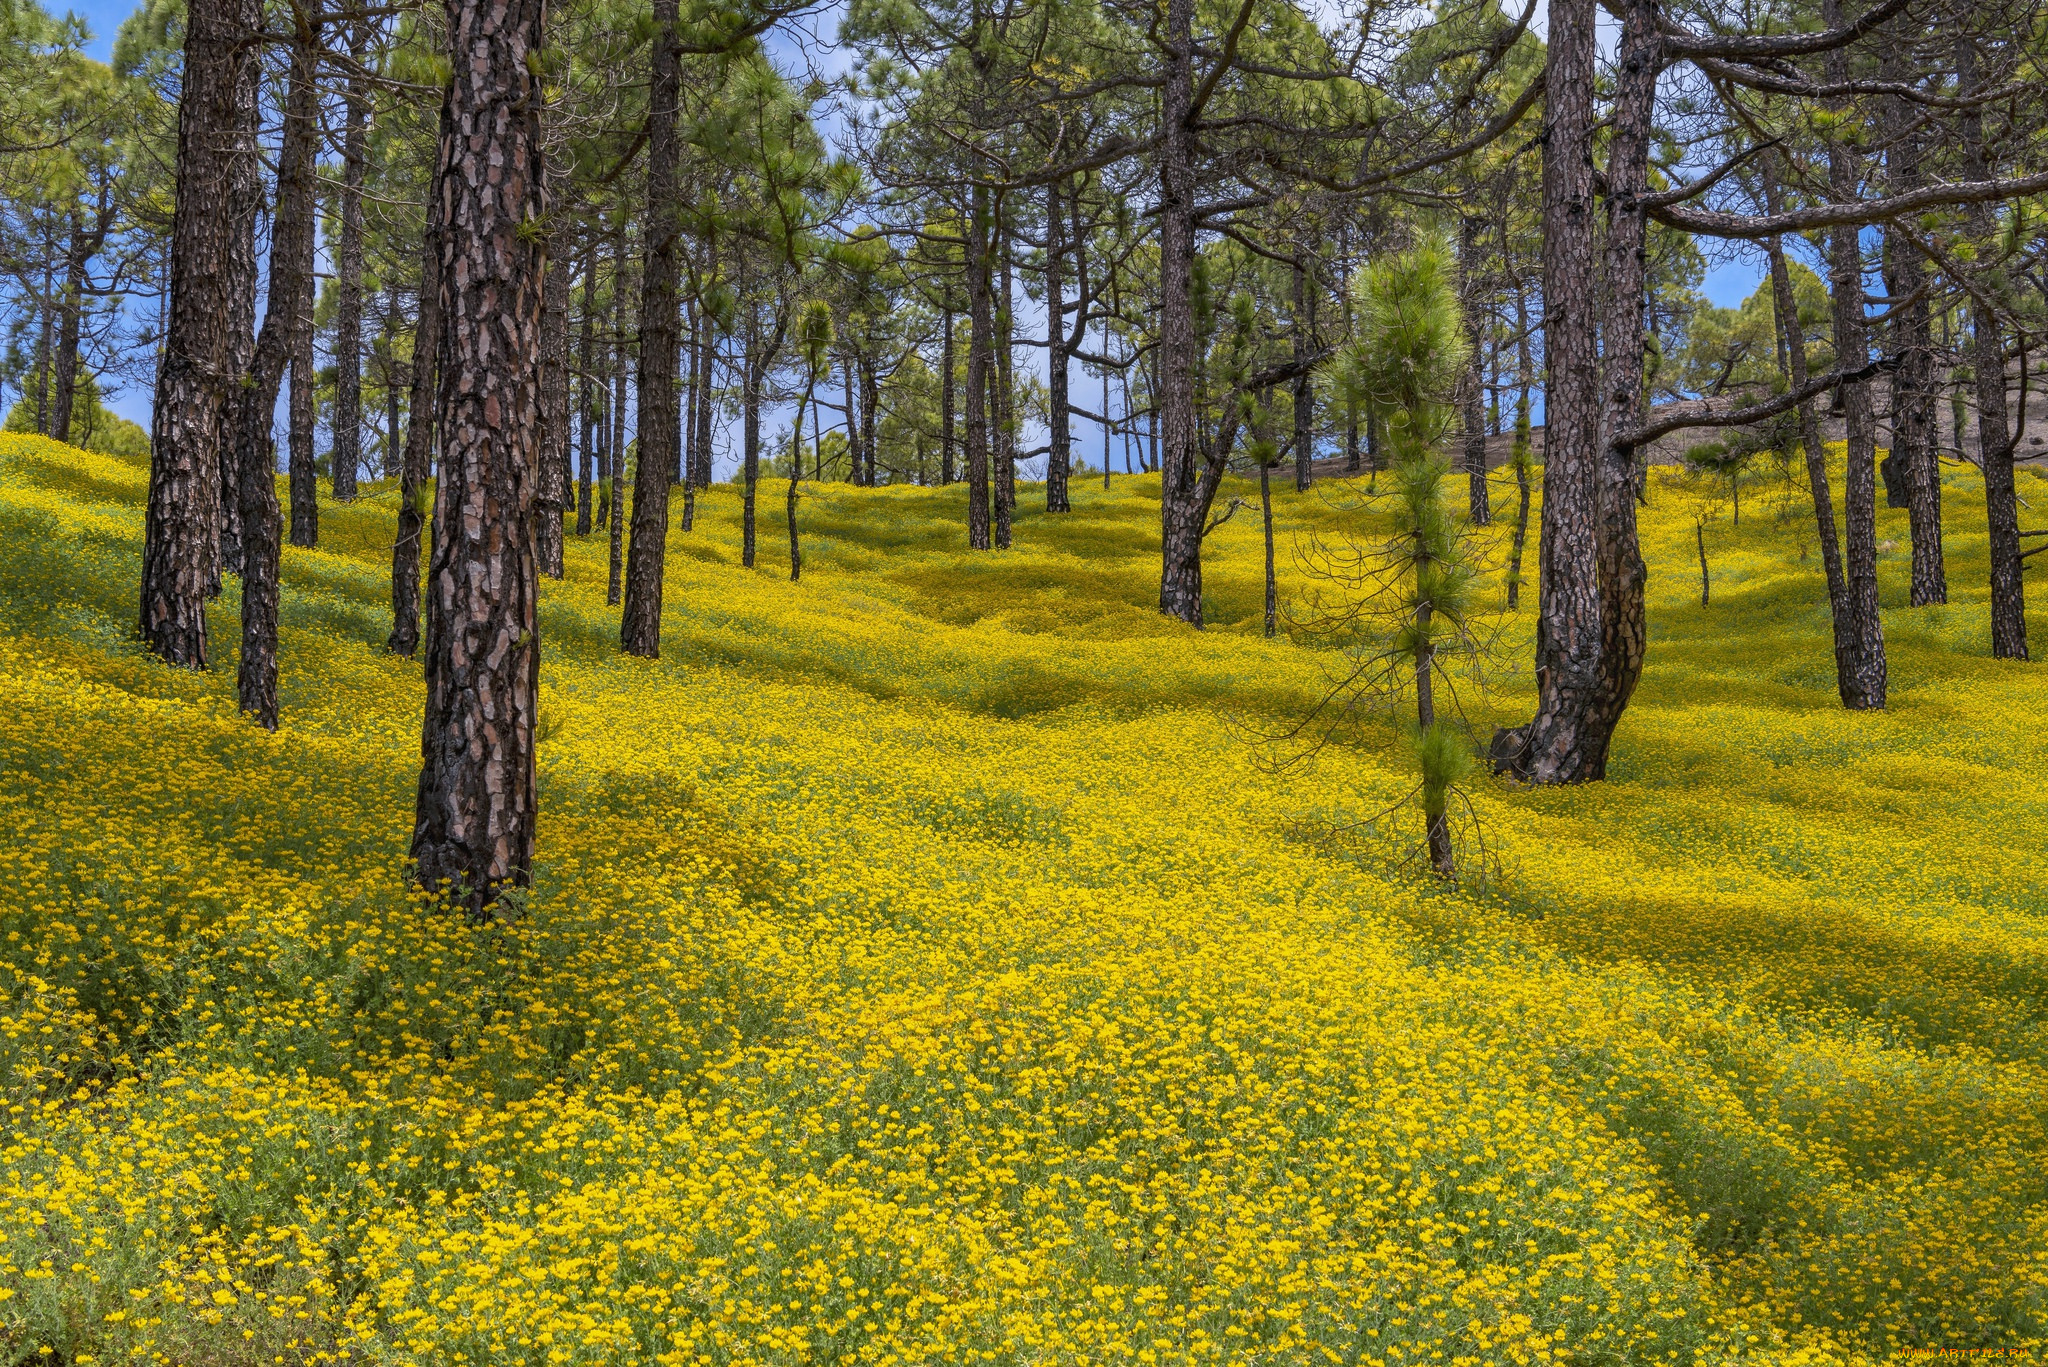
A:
(922, 967)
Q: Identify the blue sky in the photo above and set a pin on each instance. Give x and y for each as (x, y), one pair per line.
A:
(1726, 284)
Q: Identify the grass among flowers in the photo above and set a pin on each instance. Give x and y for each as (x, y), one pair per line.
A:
(921, 969)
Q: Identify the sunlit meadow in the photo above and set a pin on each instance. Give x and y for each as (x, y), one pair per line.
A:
(922, 967)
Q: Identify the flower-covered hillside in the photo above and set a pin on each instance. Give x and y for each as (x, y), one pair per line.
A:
(922, 968)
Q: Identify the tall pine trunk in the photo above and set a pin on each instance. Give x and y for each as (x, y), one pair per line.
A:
(475, 815)
(1860, 675)
(1005, 398)
(660, 312)
(1478, 503)
(348, 282)
(1994, 433)
(181, 529)
(980, 345)
(1304, 384)
(551, 491)
(427, 335)
(1059, 419)
(1180, 519)
(1555, 746)
(70, 308)
(291, 266)
(585, 406)
(244, 188)
(946, 364)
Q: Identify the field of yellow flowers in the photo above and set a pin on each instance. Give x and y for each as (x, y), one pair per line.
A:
(922, 967)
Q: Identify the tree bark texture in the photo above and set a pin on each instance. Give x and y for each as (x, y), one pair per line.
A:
(1555, 746)
(284, 314)
(1005, 397)
(660, 314)
(348, 277)
(71, 305)
(181, 534)
(1059, 458)
(245, 191)
(551, 492)
(1624, 629)
(586, 405)
(475, 816)
(946, 364)
(1304, 384)
(1912, 394)
(303, 485)
(419, 434)
(1994, 433)
(1479, 505)
(1860, 676)
(1180, 529)
(980, 346)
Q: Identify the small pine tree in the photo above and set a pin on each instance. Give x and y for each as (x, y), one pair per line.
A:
(1406, 605)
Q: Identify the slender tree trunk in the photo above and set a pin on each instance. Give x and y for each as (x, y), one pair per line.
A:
(616, 500)
(70, 307)
(45, 338)
(796, 475)
(1304, 386)
(1525, 374)
(980, 345)
(244, 188)
(291, 264)
(304, 483)
(1913, 436)
(1005, 391)
(1436, 825)
(348, 280)
(946, 402)
(1624, 630)
(870, 399)
(760, 357)
(585, 407)
(1180, 539)
(181, 530)
(1059, 421)
(393, 462)
(1554, 747)
(1479, 504)
(640, 623)
(1699, 530)
(551, 488)
(1266, 517)
(707, 359)
(1994, 431)
(474, 830)
(1861, 677)
(686, 398)
(427, 340)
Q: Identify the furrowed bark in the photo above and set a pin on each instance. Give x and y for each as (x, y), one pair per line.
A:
(660, 312)
(1180, 576)
(404, 639)
(291, 266)
(1994, 433)
(1861, 672)
(551, 492)
(348, 278)
(1304, 384)
(980, 345)
(946, 402)
(244, 189)
(1912, 392)
(1478, 504)
(473, 833)
(1554, 747)
(1059, 420)
(181, 533)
